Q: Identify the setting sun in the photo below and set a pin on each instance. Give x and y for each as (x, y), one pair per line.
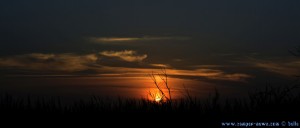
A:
(155, 95)
(158, 98)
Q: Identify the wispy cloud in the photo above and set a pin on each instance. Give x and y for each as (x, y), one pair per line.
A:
(91, 64)
(65, 62)
(113, 39)
(207, 66)
(287, 67)
(177, 60)
(160, 65)
(208, 74)
(50, 62)
(122, 40)
(211, 74)
(126, 55)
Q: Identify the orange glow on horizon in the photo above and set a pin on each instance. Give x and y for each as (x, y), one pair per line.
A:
(143, 86)
(158, 79)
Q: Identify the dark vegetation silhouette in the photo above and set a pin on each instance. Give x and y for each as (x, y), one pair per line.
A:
(270, 103)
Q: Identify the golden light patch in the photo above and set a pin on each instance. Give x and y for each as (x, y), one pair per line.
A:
(158, 98)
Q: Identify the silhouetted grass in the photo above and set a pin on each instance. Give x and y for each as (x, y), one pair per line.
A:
(268, 104)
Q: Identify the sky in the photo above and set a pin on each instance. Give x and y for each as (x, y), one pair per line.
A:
(215, 43)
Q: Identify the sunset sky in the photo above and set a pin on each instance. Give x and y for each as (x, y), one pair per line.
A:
(65, 45)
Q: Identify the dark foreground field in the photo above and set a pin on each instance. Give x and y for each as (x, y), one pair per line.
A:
(270, 104)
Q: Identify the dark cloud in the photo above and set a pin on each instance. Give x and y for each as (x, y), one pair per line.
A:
(201, 39)
(220, 26)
